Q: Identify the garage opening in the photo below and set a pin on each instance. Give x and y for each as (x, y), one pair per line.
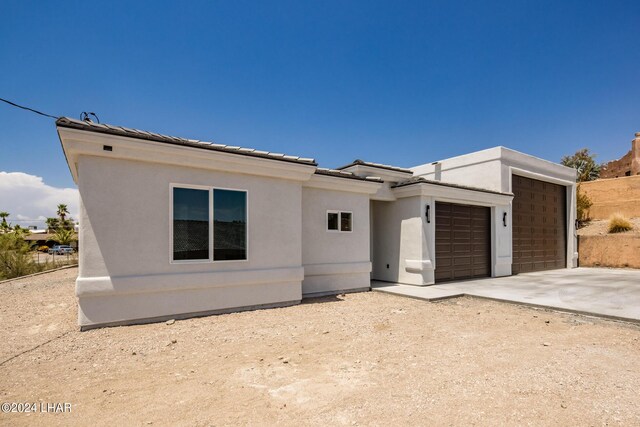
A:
(463, 242)
(539, 225)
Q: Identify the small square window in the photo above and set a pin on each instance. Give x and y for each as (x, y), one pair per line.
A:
(332, 221)
(345, 221)
(339, 221)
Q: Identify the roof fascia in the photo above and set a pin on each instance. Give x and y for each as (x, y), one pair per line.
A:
(452, 194)
(76, 142)
(335, 183)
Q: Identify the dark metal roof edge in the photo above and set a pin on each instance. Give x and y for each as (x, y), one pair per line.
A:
(421, 180)
(148, 136)
(359, 162)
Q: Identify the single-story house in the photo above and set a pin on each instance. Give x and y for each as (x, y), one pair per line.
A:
(173, 227)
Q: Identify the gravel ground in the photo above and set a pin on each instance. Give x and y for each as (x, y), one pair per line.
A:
(359, 359)
(599, 227)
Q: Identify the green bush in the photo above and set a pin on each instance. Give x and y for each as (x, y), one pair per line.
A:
(15, 257)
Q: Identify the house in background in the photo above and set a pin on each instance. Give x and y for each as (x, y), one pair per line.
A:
(230, 228)
(627, 165)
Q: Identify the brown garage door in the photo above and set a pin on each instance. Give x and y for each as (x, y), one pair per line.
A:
(463, 241)
(539, 225)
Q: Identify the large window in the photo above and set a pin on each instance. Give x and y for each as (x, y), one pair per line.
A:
(339, 221)
(209, 224)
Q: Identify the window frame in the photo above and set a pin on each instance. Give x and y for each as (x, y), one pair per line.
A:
(210, 189)
(339, 212)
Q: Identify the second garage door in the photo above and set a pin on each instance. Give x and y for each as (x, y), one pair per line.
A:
(463, 241)
(539, 225)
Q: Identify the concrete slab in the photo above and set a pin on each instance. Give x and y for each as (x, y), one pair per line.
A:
(611, 293)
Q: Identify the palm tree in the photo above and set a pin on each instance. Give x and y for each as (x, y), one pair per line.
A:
(4, 226)
(62, 212)
(52, 224)
(19, 231)
(64, 237)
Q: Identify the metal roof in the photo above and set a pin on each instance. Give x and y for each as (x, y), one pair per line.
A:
(359, 162)
(89, 126)
(345, 174)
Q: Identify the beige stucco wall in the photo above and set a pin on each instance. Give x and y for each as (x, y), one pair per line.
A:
(612, 250)
(617, 195)
(334, 261)
(125, 270)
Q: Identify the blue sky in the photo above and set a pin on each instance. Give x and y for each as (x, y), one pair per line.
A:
(393, 82)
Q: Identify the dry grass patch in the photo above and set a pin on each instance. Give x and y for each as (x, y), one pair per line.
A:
(618, 223)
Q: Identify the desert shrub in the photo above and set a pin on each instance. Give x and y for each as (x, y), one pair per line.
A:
(618, 223)
(583, 203)
(15, 257)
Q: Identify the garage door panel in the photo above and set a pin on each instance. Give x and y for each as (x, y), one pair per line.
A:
(539, 225)
(462, 241)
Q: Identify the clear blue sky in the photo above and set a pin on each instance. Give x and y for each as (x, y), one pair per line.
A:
(394, 82)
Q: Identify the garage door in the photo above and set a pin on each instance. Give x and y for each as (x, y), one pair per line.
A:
(463, 241)
(539, 225)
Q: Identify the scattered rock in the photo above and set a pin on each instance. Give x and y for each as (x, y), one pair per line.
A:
(546, 344)
(563, 406)
(133, 353)
(325, 332)
(547, 321)
(170, 322)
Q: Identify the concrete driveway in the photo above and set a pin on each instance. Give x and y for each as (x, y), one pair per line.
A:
(611, 293)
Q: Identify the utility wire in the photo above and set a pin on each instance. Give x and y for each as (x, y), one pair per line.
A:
(28, 109)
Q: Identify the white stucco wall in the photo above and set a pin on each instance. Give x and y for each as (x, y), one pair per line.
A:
(334, 261)
(493, 169)
(399, 237)
(125, 269)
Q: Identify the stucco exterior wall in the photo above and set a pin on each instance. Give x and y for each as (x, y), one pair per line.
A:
(334, 261)
(483, 173)
(125, 269)
(609, 196)
(398, 237)
(493, 169)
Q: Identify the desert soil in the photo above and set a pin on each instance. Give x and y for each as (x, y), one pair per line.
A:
(599, 227)
(359, 359)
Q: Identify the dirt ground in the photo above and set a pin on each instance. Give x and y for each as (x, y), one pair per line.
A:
(359, 359)
(598, 227)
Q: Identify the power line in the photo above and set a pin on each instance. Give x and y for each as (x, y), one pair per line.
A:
(28, 109)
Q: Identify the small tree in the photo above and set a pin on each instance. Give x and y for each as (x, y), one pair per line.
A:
(52, 224)
(583, 203)
(15, 258)
(584, 162)
(4, 226)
